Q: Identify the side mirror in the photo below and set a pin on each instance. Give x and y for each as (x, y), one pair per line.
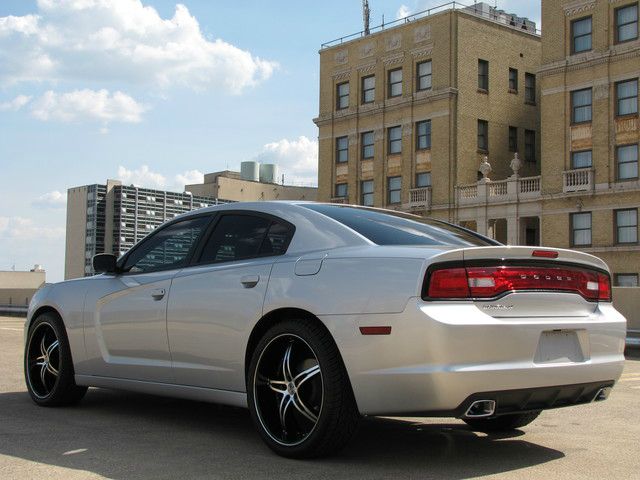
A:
(104, 263)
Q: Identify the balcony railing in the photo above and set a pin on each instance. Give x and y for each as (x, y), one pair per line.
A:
(420, 198)
(579, 180)
(510, 190)
(343, 200)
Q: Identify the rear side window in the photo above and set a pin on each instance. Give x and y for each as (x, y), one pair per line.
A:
(238, 237)
(395, 228)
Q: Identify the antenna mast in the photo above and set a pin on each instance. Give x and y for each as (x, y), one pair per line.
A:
(365, 16)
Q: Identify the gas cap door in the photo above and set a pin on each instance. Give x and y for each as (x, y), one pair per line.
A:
(309, 264)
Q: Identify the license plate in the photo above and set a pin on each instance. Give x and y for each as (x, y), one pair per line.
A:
(559, 346)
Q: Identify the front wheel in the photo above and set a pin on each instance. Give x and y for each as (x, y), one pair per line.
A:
(299, 394)
(503, 423)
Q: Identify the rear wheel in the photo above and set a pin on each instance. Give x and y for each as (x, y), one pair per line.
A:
(299, 393)
(48, 367)
(503, 423)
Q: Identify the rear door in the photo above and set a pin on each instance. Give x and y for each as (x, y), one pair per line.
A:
(215, 303)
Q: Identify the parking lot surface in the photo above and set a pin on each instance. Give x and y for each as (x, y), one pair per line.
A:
(124, 435)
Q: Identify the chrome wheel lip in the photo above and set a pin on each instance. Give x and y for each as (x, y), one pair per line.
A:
(42, 361)
(255, 393)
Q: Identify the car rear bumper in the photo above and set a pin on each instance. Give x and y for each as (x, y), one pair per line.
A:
(438, 356)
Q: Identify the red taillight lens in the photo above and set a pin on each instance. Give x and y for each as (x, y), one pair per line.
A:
(490, 282)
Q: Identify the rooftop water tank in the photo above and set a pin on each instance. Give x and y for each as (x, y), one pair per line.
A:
(268, 173)
(250, 171)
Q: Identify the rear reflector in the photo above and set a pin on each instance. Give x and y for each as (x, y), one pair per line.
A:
(490, 282)
(375, 330)
(545, 254)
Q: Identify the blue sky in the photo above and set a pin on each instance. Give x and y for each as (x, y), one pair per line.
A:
(156, 94)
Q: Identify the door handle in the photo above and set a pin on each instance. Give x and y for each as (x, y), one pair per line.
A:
(250, 281)
(158, 293)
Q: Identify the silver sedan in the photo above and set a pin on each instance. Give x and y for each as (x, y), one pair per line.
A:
(312, 315)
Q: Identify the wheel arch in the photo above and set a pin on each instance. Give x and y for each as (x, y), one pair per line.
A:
(45, 309)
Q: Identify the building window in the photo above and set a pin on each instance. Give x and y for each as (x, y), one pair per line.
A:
(530, 146)
(627, 226)
(627, 160)
(394, 186)
(423, 180)
(395, 82)
(368, 89)
(581, 159)
(513, 80)
(395, 139)
(342, 149)
(483, 135)
(423, 137)
(341, 190)
(367, 193)
(626, 280)
(627, 97)
(483, 75)
(627, 23)
(367, 145)
(581, 106)
(424, 75)
(530, 88)
(513, 139)
(342, 95)
(581, 229)
(581, 35)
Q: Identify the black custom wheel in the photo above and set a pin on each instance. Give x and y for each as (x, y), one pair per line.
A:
(299, 394)
(48, 367)
(503, 423)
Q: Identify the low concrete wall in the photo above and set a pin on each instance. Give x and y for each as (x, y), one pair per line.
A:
(627, 301)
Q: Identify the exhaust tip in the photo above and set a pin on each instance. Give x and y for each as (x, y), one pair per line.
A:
(602, 394)
(480, 409)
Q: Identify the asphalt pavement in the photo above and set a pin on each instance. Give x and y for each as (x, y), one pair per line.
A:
(121, 435)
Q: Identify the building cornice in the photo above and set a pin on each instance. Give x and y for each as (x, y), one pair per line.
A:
(578, 6)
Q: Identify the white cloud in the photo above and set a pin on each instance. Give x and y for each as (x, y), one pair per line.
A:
(141, 177)
(402, 12)
(20, 228)
(86, 104)
(15, 104)
(188, 178)
(122, 40)
(297, 159)
(53, 199)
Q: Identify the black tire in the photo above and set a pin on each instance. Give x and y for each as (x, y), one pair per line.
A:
(48, 367)
(327, 395)
(503, 423)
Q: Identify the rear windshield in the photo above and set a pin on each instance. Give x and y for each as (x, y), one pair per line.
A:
(395, 228)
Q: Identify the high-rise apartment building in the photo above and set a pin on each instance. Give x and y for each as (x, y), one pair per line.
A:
(113, 217)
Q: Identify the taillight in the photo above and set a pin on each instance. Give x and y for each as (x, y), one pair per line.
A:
(490, 282)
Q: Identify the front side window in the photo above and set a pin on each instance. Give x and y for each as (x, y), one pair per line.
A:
(581, 106)
(483, 75)
(342, 95)
(581, 35)
(342, 149)
(395, 83)
(367, 193)
(424, 75)
(394, 187)
(627, 160)
(581, 159)
(168, 248)
(626, 280)
(341, 190)
(367, 145)
(513, 80)
(530, 145)
(513, 139)
(423, 138)
(239, 237)
(627, 97)
(395, 140)
(627, 226)
(581, 229)
(530, 88)
(627, 23)
(483, 135)
(423, 180)
(368, 89)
